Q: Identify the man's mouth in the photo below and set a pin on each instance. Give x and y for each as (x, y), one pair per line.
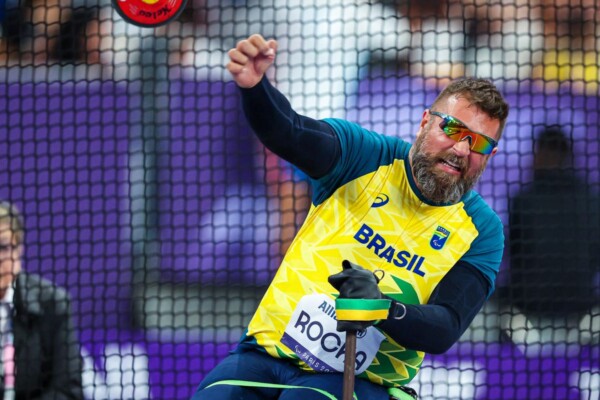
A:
(452, 165)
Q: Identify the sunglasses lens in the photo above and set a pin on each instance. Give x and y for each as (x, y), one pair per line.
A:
(451, 127)
(458, 132)
(482, 146)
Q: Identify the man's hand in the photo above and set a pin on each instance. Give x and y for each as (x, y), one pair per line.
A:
(250, 59)
(355, 282)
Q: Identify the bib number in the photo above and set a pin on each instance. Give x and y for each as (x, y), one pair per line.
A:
(311, 334)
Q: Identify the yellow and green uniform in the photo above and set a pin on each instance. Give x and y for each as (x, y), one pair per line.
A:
(369, 211)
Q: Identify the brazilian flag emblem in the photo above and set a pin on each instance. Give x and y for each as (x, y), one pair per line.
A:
(439, 238)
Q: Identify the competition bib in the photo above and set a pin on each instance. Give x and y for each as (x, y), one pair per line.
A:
(312, 335)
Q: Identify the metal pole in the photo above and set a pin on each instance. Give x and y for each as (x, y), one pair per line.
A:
(145, 146)
(349, 365)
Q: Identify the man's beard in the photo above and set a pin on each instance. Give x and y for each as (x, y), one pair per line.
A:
(435, 185)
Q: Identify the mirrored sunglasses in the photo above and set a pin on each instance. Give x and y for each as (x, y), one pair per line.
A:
(458, 131)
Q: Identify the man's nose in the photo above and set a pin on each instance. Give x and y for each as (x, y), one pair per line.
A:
(463, 147)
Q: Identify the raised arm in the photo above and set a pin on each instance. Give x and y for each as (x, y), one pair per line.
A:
(310, 145)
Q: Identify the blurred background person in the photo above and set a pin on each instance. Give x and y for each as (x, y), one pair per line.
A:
(40, 350)
(571, 45)
(435, 41)
(505, 39)
(554, 247)
(30, 30)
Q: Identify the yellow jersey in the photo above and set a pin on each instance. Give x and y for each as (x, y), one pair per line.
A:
(369, 211)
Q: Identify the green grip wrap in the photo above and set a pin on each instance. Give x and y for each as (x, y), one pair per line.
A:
(361, 309)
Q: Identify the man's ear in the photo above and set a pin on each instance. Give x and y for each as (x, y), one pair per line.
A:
(424, 121)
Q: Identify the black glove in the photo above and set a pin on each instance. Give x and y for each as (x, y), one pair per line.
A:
(355, 282)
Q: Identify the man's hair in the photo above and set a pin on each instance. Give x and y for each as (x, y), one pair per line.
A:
(10, 215)
(481, 93)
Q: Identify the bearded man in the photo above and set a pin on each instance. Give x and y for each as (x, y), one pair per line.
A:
(403, 222)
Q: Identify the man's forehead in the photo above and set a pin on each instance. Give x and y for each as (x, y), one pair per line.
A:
(457, 103)
(461, 108)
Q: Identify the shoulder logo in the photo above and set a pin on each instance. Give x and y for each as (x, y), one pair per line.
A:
(381, 200)
(149, 13)
(439, 238)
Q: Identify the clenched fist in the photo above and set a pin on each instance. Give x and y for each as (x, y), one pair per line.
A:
(250, 59)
